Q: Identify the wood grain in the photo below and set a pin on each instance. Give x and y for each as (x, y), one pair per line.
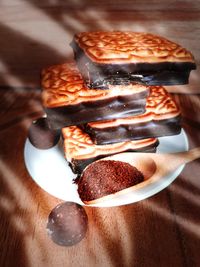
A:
(160, 231)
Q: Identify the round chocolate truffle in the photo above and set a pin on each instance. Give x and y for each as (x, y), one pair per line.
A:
(41, 136)
(67, 224)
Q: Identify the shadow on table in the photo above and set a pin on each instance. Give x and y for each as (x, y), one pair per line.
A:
(160, 231)
(24, 53)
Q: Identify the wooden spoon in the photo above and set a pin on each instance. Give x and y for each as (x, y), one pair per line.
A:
(153, 166)
(156, 165)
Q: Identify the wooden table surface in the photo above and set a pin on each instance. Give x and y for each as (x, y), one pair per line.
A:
(163, 230)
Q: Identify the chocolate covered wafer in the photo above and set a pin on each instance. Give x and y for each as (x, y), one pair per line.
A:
(116, 57)
(162, 118)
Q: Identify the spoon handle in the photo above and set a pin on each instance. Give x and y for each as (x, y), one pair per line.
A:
(190, 155)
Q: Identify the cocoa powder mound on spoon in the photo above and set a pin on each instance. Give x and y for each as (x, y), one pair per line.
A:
(107, 177)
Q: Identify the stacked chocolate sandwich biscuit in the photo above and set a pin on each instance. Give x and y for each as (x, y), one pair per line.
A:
(111, 99)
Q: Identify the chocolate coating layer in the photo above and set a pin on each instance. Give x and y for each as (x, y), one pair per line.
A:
(67, 224)
(135, 131)
(115, 107)
(41, 136)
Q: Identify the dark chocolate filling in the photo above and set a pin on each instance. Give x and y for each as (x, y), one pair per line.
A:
(97, 75)
(121, 133)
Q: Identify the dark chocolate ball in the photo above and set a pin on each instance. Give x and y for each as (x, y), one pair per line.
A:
(67, 224)
(41, 136)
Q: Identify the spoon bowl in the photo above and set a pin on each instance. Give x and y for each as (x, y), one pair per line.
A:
(154, 166)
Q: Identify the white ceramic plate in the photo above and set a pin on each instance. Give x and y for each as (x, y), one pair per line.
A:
(50, 171)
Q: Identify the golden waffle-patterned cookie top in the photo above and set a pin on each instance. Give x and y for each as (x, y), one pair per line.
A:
(159, 106)
(78, 145)
(63, 85)
(130, 47)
